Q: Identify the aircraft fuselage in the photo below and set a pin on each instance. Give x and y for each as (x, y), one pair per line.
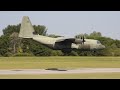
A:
(51, 43)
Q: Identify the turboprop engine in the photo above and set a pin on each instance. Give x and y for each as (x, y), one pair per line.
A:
(80, 41)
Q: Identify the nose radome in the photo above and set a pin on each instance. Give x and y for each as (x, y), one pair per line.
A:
(103, 46)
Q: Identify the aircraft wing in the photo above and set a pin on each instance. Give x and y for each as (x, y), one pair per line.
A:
(67, 40)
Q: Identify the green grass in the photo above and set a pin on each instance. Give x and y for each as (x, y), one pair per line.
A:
(58, 62)
(65, 76)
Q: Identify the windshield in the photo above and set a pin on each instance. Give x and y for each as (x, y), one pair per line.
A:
(98, 42)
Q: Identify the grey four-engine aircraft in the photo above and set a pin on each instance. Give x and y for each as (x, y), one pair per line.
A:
(59, 43)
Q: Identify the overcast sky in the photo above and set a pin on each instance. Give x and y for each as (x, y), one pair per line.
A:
(68, 23)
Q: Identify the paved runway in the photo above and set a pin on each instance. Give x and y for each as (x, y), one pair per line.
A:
(73, 71)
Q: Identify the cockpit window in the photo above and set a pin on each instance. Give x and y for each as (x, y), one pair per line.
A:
(98, 42)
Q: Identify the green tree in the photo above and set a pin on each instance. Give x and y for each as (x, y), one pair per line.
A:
(14, 42)
(10, 29)
(54, 36)
(95, 34)
(4, 45)
(40, 29)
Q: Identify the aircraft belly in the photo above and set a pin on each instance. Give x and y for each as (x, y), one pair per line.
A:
(74, 46)
(60, 46)
(81, 46)
(84, 46)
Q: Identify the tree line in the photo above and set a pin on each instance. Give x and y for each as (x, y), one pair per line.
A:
(12, 45)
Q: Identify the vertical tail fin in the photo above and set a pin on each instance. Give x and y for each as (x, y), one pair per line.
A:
(26, 29)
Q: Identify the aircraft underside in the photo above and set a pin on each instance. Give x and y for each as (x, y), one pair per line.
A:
(68, 47)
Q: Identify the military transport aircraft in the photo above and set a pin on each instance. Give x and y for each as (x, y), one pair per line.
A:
(59, 43)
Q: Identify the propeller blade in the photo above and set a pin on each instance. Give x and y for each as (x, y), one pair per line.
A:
(83, 39)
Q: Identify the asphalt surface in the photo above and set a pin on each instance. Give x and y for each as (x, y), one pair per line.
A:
(73, 71)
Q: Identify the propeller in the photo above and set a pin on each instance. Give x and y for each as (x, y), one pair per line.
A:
(83, 39)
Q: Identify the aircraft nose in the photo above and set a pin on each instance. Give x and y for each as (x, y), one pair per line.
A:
(102, 46)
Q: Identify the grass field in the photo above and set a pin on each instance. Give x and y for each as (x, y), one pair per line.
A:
(65, 76)
(60, 62)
